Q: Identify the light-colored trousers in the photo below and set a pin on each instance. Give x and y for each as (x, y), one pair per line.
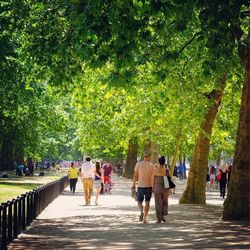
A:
(88, 189)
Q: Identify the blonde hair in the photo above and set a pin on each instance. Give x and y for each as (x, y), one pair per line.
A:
(223, 167)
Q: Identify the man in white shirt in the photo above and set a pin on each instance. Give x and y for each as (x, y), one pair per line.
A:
(87, 174)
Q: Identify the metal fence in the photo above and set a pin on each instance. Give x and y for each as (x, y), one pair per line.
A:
(17, 215)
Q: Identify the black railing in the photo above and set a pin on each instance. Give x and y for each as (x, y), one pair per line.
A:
(17, 215)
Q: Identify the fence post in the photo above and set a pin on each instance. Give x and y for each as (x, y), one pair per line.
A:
(23, 212)
(28, 209)
(4, 226)
(15, 219)
(19, 216)
(10, 221)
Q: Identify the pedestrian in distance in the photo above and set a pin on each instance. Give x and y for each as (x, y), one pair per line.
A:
(107, 184)
(98, 180)
(143, 174)
(87, 175)
(223, 180)
(175, 176)
(19, 169)
(212, 177)
(160, 192)
(181, 171)
(73, 174)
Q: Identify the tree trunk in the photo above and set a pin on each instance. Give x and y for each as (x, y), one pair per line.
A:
(8, 161)
(176, 152)
(155, 151)
(195, 191)
(131, 158)
(218, 161)
(237, 203)
(168, 160)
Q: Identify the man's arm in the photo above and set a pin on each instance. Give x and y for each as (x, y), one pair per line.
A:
(135, 177)
(81, 173)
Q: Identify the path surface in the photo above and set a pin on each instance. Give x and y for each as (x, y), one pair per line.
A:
(67, 224)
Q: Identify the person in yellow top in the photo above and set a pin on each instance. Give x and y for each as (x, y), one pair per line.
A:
(73, 177)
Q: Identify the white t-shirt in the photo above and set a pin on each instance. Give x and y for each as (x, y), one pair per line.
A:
(87, 170)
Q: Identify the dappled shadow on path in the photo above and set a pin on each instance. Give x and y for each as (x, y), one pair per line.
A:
(67, 224)
(188, 227)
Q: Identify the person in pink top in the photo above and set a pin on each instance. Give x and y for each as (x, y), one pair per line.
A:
(143, 174)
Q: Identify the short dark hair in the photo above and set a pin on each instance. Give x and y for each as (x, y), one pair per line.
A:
(88, 158)
(162, 160)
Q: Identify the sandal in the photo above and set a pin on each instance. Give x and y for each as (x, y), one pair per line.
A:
(141, 217)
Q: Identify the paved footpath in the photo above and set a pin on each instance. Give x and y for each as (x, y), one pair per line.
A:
(67, 224)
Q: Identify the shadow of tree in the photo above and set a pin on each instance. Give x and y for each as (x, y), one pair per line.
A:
(116, 226)
(188, 227)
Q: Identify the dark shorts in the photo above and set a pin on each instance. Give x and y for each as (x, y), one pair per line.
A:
(144, 193)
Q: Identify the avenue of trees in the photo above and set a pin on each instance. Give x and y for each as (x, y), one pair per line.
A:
(109, 78)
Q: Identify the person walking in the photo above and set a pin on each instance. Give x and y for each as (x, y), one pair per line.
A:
(223, 180)
(87, 174)
(108, 171)
(175, 176)
(73, 176)
(212, 177)
(98, 180)
(160, 192)
(181, 171)
(143, 174)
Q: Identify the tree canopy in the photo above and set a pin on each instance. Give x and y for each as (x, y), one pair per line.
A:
(87, 76)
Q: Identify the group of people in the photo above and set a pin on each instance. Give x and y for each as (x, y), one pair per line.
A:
(26, 168)
(150, 179)
(93, 176)
(219, 176)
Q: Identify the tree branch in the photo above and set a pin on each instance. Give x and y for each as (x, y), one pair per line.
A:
(245, 13)
(190, 41)
(237, 32)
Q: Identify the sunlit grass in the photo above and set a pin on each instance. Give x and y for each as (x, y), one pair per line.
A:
(9, 191)
(10, 188)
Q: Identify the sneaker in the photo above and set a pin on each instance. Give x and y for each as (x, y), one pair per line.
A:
(141, 217)
(164, 219)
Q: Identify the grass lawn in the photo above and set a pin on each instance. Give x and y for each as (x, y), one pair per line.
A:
(12, 187)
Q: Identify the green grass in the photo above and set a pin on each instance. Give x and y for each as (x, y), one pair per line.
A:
(12, 187)
(9, 191)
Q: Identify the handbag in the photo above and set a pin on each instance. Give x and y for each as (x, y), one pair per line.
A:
(219, 175)
(166, 181)
(171, 183)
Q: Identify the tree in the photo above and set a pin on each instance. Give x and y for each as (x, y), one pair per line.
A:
(130, 35)
(196, 186)
(131, 158)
